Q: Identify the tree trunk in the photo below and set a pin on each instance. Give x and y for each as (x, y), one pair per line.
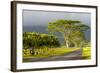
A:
(67, 45)
(66, 40)
(76, 45)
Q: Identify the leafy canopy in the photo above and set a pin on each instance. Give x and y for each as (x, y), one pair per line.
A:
(63, 25)
(72, 30)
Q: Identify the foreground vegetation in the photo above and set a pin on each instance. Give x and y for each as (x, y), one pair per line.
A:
(86, 54)
(49, 52)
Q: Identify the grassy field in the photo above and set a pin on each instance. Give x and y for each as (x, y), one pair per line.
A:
(86, 54)
(48, 52)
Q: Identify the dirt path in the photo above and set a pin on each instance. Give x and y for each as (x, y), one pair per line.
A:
(71, 56)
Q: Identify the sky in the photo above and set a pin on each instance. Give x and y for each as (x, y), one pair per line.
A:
(42, 18)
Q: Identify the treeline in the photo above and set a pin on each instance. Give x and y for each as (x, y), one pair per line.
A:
(36, 40)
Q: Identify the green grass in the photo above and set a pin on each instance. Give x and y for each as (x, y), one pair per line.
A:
(47, 52)
(86, 54)
(63, 50)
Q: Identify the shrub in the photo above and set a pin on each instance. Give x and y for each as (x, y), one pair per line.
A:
(35, 40)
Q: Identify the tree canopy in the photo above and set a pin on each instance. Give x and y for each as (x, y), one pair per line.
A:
(72, 30)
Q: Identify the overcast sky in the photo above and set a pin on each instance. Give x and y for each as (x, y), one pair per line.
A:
(37, 18)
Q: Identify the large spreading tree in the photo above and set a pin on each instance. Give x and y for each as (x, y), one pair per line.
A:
(72, 30)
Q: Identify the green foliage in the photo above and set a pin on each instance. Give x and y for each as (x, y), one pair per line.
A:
(77, 37)
(44, 52)
(72, 30)
(26, 52)
(35, 40)
(62, 25)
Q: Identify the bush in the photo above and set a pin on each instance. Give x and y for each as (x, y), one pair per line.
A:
(35, 40)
